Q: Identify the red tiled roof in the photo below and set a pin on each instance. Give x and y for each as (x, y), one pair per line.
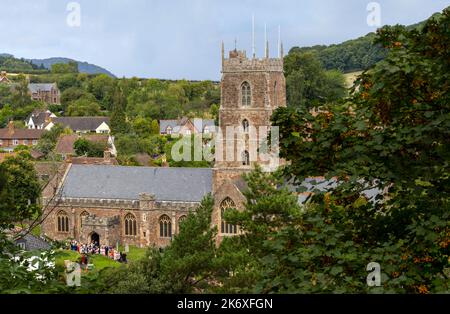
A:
(27, 134)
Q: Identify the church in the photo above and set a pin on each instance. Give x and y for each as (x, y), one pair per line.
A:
(144, 206)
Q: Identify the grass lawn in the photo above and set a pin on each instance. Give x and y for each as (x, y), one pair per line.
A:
(100, 262)
(135, 253)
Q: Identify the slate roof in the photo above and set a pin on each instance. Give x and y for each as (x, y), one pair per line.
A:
(323, 185)
(163, 124)
(39, 116)
(119, 182)
(81, 123)
(33, 243)
(45, 87)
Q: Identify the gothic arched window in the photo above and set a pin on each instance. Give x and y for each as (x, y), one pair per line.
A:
(165, 227)
(246, 94)
(83, 215)
(245, 125)
(63, 221)
(169, 130)
(246, 158)
(130, 225)
(226, 227)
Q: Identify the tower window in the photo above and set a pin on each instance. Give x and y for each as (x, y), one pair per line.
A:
(245, 158)
(246, 94)
(245, 125)
(130, 225)
(226, 227)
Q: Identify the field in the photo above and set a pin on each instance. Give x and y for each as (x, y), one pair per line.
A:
(350, 78)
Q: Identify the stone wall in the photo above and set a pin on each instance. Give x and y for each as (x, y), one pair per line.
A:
(146, 211)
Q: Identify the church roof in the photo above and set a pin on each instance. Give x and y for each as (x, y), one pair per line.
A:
(45, 87)
(120, 182)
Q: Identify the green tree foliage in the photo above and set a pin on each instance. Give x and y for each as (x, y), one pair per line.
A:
(20, 96)
(119, 123)
(70, 67)
(85, 106)
(84, 147)
(21, 190)
(394, 135)
(102, 87)
(308, 84)
(154, 128)
(11, 64)
(48, 140)
(350, 56)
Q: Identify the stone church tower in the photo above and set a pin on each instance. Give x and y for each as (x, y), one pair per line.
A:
(251, 89)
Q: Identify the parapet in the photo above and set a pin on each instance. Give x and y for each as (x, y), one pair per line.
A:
(238, 62)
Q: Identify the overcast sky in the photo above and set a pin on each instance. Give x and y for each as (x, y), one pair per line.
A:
(176, 39)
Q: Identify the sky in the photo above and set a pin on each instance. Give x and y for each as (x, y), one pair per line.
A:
(181, 39)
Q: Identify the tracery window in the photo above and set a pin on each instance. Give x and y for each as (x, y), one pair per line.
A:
(225, 227)
(130, 225)
(165, 227)
(63, 221)
(246, 94)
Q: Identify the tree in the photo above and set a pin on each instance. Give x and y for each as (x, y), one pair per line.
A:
(84, 106)
(308, 84)
(154, 127)
(102, 87)
(84, 147)
(21, 190)
(394, 136)
(63, 68)
(48, 140)
(20, 95)
(118, 116)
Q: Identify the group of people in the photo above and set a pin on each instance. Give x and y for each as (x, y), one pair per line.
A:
(95, 248)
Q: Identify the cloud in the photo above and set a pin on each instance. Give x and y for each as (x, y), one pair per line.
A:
(181, 39)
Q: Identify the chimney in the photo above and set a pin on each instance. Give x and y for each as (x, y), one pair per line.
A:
(107, 156)
(11, 127)
(69, 159)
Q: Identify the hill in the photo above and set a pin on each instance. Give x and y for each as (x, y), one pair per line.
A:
(352, 55)
(83, 67)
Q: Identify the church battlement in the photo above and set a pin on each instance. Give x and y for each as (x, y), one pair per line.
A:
(93, 202)
(238, 62)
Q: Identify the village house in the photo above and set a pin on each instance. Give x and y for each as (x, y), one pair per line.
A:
(39, 118)
(82, 124)
(45, 92)
(4, 77)
(186, 126)
(12, 137)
